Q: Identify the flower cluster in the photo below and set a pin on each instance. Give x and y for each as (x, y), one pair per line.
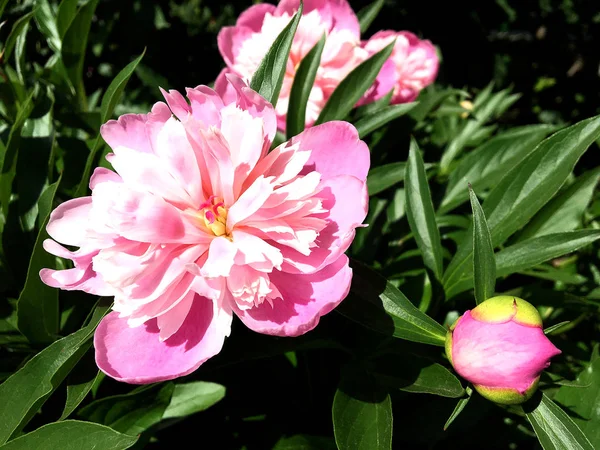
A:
(200, 221)
(412, 65)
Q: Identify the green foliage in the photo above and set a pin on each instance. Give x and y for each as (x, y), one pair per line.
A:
(268, 78)
(352, 88)
(426, 256)
(303, 83)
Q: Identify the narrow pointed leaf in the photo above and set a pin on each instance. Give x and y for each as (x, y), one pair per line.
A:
(462, 403)
(190, 398)
(484, 262)
(383, 177)
(73, 48)
(268, 78)
(584, 398)
(530, 253)
(18, 27)
(367, 124)
(420, 212)
(303, 84)
(131, 413)
(66, 13)
(526, 189)
(565, 211)
(72, 435)
(37, 307)
(378, 305)
(353, 87)
(368, 14)
(555, 429)
(27, 389)
(411, 373)
(109, 102)
(485, 166)
(535, 251)
(8, 158)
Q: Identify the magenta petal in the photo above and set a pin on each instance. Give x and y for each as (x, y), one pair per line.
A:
(305, 299)
(337, 13)
(137, 356)
(68, 223)
(336, 150)
(500, 355)
(254, 16)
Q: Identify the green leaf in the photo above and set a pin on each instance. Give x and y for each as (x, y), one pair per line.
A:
(131, 413)
(565, 211)
(525, 189)
(420, 212)
(301, 88)
(109, 102)
(73, 48)
(584, 401)
(484, 262)
(535, 251)
(46, 22)
(378, 305)
(305, 442)
(410, 373)
(113, 94)
(352, 88)
(25, 391)
(35, 151)
(77, 393)
(459, 408)
(485, 166)
(553, 427)
(481, 116)
(2, 6)
(66, 13)
(369, 123)
(367, 15)
(555, 327)
(530, 253)
(430, 98)
(18, 27)
(80, 382)
(8, 158)
(37, 307)
(72, 435)
(190, 398)
(268, 78)
(362, 414)
(383, 177)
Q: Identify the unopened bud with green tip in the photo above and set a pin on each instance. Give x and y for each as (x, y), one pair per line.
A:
(501, 348)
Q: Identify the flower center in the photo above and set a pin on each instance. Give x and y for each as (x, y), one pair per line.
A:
(214, 214)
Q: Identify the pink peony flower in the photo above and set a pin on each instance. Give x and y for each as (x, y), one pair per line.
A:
(199, 222)
(501, 348)
(412, 66)
(244, 45)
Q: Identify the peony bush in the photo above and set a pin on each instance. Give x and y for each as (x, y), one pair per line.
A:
(326, 248)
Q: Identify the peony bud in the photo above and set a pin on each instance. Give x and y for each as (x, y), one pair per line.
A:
(501, 348)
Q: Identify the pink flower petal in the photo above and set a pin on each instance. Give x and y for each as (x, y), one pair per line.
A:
(305, 299)
(253, 17)
(137, 355)
(347, 200)
(337, 13)
(69, 221)
(335, 150)
(221, 256)
(500, 355)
